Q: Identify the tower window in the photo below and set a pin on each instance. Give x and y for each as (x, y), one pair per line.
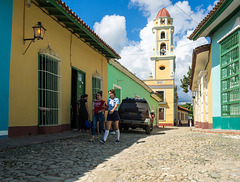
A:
(162, 35)
(162, 67)
(163, 49)
(162, 21)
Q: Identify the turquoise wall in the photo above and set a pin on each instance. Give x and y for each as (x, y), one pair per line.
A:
(129, 87)
(218, 121)
(5, 46)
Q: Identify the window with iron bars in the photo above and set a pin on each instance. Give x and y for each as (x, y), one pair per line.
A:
(230, 87)
(96, 87)
(49, 72)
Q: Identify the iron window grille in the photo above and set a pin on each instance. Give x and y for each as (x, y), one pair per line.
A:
(230, 87)
(96, 87)
(49, 89)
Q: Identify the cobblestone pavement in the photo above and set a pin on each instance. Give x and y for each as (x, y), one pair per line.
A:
(170, 154)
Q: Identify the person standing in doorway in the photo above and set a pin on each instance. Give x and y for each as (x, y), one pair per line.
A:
(113, 116)
(98, 108)
(83, 112)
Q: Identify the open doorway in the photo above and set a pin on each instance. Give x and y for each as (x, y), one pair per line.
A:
(77, 89)
(118, 91)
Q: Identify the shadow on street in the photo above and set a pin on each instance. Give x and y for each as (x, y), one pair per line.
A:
(66, 158)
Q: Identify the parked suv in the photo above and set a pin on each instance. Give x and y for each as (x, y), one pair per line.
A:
(135, 113)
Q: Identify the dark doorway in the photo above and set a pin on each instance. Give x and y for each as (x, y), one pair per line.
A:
(78, 89)
(74, 100)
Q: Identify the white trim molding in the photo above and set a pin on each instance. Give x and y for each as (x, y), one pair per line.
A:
(4, 133)
(120, 88)
(229, 33)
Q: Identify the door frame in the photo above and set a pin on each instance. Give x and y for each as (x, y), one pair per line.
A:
(164, 113)
(78, 70)
(120, 88)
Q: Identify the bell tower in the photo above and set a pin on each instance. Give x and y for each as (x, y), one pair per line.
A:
(163, 68)
(163, 29)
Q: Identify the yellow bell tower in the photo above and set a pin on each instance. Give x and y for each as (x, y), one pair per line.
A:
(163, 70)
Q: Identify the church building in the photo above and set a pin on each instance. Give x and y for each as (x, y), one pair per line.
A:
(162, 78)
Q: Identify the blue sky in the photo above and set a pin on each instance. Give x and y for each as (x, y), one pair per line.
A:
(126, 25)
(94, 10)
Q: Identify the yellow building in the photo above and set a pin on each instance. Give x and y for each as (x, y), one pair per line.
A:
(49, 76)
(162, 80)
(182, 118)
(201, 86)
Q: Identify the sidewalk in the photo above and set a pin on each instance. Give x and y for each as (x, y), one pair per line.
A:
(216, 131)
(28, 140)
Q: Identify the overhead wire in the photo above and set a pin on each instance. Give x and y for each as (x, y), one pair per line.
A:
(178, 46)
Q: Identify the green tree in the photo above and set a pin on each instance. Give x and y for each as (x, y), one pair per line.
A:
(186, 81)
(189, 106)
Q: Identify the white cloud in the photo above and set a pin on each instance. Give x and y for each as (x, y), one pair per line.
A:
(183, 52)
(150, 8)
(136, 55)
(112, 29)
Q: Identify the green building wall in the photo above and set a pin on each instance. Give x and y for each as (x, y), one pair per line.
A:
(129, 88)
(219, 122)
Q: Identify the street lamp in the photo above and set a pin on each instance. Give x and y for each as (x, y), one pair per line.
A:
(39, 32)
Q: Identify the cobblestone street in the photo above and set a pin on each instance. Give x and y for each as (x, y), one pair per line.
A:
(168, 154)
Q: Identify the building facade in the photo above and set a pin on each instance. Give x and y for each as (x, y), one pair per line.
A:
(201, 86)
(126, 84)
(182, 115)
(5, 38)
(222, 25)
(162, 79)
(48, 76)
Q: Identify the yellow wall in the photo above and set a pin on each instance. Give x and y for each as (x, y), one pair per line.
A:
(169, 100)
(23, 98)
(162, 74)
(185, 121)
(159, 33)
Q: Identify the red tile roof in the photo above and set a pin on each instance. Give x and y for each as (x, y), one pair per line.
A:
(163, 13)
(183, 108)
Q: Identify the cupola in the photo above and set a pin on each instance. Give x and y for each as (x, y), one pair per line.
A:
(163, 13)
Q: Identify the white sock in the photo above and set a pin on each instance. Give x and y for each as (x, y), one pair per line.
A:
(118, 134)
(105, 135)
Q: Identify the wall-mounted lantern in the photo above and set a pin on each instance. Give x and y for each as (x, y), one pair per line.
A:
(39, 32)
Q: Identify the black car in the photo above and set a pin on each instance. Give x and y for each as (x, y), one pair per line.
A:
(135, 113)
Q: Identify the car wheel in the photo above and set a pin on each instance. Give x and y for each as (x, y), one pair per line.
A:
(148, 130)
(126, 128)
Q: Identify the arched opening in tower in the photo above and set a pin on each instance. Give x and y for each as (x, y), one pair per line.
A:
(163, 49)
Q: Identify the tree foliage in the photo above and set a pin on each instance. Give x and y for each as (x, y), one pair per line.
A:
(186, 81)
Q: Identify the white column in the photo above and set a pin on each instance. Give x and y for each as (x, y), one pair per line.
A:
(170, 40)
(171, 68)
(202, 99)
(202, 77)
(206, 99)
(153, 69)
(156, 47)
